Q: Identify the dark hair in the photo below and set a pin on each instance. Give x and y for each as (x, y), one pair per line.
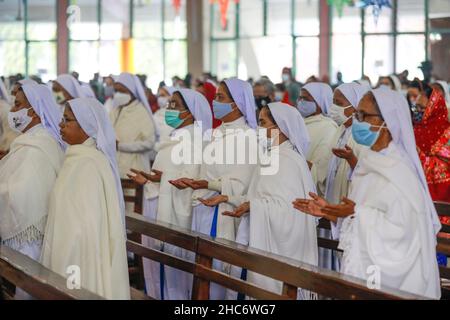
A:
(178, 93)
(227, 90)
(269, 114)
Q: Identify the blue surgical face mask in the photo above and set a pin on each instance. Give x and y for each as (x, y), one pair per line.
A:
(306, 108)
(173, 118)
(363, 135)
(221, 110)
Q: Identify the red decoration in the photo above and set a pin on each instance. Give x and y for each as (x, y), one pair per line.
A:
(223, 10)
(177, 5)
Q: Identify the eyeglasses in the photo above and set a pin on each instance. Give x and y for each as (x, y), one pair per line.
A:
(66, 121)
(361, 115)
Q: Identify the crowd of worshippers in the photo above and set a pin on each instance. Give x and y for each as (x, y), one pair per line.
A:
(369, 160)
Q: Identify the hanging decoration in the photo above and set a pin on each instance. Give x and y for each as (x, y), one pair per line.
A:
(177, 5)
(339, 4)
(377, 6)
(223, 4)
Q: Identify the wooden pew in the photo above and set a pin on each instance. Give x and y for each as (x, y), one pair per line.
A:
(291, 273)
(136, 269)
(38, 281)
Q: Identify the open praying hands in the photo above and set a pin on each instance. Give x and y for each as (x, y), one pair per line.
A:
(190, 183)
(348, 155)
(319, 207)
(142, 178)
(239, 211)
(214, 201)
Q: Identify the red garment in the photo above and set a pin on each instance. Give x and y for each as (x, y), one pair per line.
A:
(433, 143)
(286, 98)
(210, 94)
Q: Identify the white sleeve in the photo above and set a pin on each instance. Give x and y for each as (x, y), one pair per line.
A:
(137, 147)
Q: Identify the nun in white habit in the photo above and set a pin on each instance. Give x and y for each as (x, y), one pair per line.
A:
(227, 174)
(66, 88)
(390, 222)
(314, 105)
(190, 116)
(85, 226)
(270, 223)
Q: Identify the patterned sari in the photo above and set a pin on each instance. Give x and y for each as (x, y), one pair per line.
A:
(433, 143)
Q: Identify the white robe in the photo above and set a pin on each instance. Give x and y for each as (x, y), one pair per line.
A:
(321, 130)
(174, 207)
(389, 230)
(136, 135)
(27, 177)
(230, 180)
(85, 226)
(7, 135)
(273, 225)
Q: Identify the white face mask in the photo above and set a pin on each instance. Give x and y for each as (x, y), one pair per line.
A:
(163, 102)
(279, 96)
(265, 142)
(337, 113)
(19, 120)
(13, 99)
(121, 99)
(59, 97)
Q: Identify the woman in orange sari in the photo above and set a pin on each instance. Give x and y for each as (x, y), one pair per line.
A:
(433, 142)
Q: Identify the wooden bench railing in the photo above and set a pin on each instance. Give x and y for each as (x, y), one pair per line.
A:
(36, 280)
(291, 273)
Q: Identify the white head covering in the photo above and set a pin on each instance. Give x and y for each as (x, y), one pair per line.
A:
(89, 93)
(365, 84)
(354, 92)
(242, 94)
(170, 90)
(4, 93)
(292, 125)
(72, 86)
(198, 106)
(94, 121)
(322, 94)
(395, 111)
(135, 86)
(41, 99)
(27, 81)
(444, 86)
(397, 83)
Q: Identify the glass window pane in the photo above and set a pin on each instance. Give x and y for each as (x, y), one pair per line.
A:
(378, 60)
(12, 17)
(115, 19)
(230, 29)
(86, 28)
(346, 57)
(411, 15)
(251, 14)
(307, 17)
(110, 57)
(175, 26)
(279, 17)
(440, 55)
(147, 19)
(12, 57)
(224, 59)
(439, 14)
(307, 57)
(41, 20)
(383, 24)
(175, 59)
(256, 57)
(83, 57)
(145, 63)
(349, 22)
(42, 60)
(410, 53)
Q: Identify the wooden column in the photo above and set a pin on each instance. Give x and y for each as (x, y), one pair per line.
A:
(62, 37)
(325, 39)
(194, 19)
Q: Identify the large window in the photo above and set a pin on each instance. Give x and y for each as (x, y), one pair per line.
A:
(263, 36)
(28, 38)
(143, 37)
